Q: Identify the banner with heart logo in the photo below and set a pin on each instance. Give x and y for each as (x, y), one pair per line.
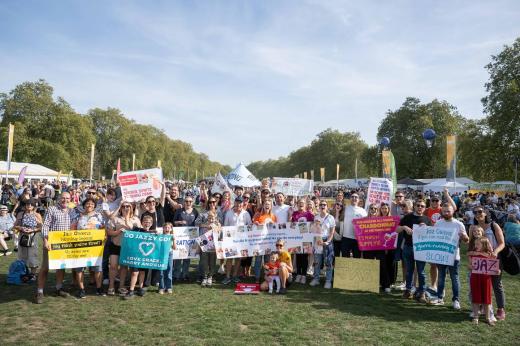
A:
(145, 250)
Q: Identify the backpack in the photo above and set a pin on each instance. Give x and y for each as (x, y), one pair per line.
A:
(17, 270)
(509, 257)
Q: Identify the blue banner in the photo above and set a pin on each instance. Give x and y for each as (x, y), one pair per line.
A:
(145, 250)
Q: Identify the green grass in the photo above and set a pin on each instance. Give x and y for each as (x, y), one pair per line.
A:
(209, 316)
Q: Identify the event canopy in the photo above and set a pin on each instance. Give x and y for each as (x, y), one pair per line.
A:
(34, 171)
(241, 176)
(410, 182)
(439, 185)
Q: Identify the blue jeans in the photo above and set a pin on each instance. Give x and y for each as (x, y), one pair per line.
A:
(328, 257)
(411, 263)
(181, 268)
(258, 265)
(454, 275)
(166, 280)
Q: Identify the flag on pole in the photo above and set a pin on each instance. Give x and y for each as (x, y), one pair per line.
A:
(58, 176)
(337, 173)
(451, 158)
(389, 168)
(21, 176)
(322, 174)
(133, 162)
(305, 175)
(355, 171)
(159, 164)
(312, 174)
(118, 169)
(92, 160)
(10, 144)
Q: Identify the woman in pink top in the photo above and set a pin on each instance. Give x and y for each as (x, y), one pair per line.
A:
(302, 259)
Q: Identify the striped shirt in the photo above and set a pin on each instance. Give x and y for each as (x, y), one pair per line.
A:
(58, 219)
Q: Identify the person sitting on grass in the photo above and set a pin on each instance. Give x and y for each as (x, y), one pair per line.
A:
(286, 268)
(137, 274)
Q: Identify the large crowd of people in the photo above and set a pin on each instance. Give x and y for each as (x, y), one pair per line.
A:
(484, 222)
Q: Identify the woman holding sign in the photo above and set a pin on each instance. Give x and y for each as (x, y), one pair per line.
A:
(89, 219)
(302, 259)
(125, 220)
(494, 233)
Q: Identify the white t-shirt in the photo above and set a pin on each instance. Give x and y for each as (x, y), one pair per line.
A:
(233, 219)
(352, 213)
(327, 222)
(456, 226)
(281, 213)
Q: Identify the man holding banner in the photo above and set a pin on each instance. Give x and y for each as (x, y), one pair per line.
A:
(448, 222)
(57, 218)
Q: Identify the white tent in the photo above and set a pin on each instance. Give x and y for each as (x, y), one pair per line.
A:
(241, 176)
(439, 185)
(34, 171)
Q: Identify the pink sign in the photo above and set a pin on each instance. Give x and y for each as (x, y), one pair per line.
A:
(488, 266)
(376, 233)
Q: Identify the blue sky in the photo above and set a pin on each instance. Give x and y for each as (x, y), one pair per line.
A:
(252, 80)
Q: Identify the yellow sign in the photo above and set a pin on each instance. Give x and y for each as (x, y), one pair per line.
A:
(76, 248)
(355, 274)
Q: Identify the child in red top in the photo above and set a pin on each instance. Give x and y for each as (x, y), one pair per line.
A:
(271, 273)
(480, 283)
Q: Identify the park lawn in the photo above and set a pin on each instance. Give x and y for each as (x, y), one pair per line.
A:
(215, 316)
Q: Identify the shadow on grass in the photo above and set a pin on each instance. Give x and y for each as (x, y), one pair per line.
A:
(390, 307)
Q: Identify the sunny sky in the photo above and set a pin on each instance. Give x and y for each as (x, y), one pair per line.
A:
(253, 80)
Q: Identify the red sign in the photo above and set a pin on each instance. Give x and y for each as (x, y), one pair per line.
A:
(242, 288)
(376, 233)
(488, 266)
(128, 180)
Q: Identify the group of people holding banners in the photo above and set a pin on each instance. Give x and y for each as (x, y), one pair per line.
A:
(149, 234)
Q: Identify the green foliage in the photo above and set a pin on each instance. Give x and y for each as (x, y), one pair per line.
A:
(328, 149)
(51, 133)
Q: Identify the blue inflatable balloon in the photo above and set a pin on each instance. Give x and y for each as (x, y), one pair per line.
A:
(429, 135)
(384, 142)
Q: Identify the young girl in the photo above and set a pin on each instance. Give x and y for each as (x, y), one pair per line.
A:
(166, 279)
(480, 283)
(137, 274)
(271, 273)
(208, 259)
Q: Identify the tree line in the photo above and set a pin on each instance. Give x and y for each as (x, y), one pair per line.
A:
(487, 148)
(50, 132)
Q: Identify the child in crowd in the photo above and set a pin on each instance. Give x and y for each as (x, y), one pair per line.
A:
(138, 274)
(166, 280)
(480, 284)
(271, 272)
(208, 259)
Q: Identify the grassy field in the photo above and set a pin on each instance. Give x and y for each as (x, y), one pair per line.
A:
(209, 316)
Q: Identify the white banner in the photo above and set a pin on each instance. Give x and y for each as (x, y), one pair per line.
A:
(292, 186)
(379, 191)
(253, 240)
(241, 176)
(434, 244)
(185, 242)
(220, 185)
(137, 185)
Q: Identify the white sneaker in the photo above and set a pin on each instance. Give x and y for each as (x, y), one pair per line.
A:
(298, 279)
(310, 271)
(436, 301)
(209, 282)
(303, 280)
(204, 282)
(328, 285)
(401, 286)
(493, 318)
(161, 291)
(314, 282)
(271, 291)
(456, 305)
(169, 290)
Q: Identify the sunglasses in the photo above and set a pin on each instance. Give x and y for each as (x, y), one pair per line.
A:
(420, 206)
(399, 196)
(188, 201)
(373, 208)
(150, 202)
(279, 245)
(91, 193)
(479, 211)
(212, 202)
(245, 197)
(323, 204)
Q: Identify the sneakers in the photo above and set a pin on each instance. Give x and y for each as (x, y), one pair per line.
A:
(161, 291)
(226, 281)
(328, 285)
(209, 282)
(314, 282)
(270, 291)
(407, 294)
(62, 293)
(401, 286)
(122, 291)
(169, 291)
(100, 292)
(38, 298)
(298, 279)
(303, 280)
(421, 298)
(501, 314)
(436, 301)
(283, 290)
(81, 294)
(111, 292)
(236, 279)
(456, 305)
(6, 253)
(129, 295)
(204, 282)
(141, 292)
